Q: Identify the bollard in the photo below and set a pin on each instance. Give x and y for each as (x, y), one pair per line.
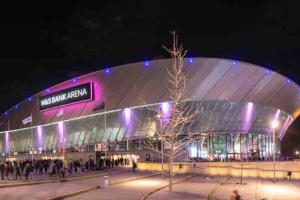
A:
(106, 181)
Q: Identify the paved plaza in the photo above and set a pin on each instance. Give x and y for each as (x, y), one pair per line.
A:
(135, 185)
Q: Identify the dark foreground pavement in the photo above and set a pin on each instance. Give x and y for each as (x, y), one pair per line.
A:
(197, 187)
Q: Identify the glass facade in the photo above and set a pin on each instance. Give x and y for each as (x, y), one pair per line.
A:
(230, 130)
(231, 146)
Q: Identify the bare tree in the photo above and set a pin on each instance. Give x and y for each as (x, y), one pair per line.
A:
(176, 130)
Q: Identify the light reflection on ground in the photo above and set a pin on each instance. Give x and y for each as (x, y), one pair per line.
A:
(279, 190)
(145, 183)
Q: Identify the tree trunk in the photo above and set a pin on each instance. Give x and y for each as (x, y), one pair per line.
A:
(171, 159)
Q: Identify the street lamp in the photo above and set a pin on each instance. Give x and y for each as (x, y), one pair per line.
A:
(297, 153)
(159, 116)
(274, 125)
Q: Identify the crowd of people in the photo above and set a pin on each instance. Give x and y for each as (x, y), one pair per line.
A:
(13, 170)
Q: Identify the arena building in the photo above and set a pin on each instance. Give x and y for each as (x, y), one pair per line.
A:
(101, 112)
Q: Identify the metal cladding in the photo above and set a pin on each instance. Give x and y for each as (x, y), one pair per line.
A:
(236, 96)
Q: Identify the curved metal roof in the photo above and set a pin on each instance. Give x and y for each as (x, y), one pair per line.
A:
(124, 86)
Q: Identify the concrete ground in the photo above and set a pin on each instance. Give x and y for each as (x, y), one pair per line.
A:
(197, 187)
(254, 189)
(133, 190)
(45, 191)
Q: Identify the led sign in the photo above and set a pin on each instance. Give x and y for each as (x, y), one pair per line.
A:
(67, 96)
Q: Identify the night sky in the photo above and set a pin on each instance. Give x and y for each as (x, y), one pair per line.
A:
(47, 42)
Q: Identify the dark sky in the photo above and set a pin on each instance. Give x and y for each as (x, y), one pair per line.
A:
(47, 42)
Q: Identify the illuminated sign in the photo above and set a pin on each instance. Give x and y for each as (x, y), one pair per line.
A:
(68, 96)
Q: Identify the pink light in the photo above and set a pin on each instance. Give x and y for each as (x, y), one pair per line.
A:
(61, 127)
(85, 107)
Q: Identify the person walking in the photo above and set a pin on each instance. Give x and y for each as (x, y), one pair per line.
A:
(134, 166)
(64, 167)
(2, 170)
(235, 195)
(18, 170)
(27, 169)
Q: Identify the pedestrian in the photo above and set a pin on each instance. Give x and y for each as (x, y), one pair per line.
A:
(289, 175)
(18, 170)
(235, 195)
(134, 166)
(27, 169)
(6, 170)
(2, 170)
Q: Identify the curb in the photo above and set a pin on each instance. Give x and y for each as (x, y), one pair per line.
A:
(58, 180)
(74, 193)
(96, 187)
(216, 187)
(163, 187)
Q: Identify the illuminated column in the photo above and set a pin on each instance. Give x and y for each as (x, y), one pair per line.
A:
(7, 143)
(166, 110)
(285, 126)
(275, 125)
(127, 115)
(61, 134)
(39, 137)
(249, 111)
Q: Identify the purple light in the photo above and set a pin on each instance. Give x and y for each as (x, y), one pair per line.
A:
(39, 132)
(147, 63)
(107, 70)
(6, 113)
(248, 116)
(165, 107)
(275, 118)
(234, 62)
(277, 115)
(48, 90)
(285, 126)
(16, 106)
(166, 111)
(29, 99)
(127, 114)
(61, 133)
(74, 80)
(267, 72)
(289, 81)
(190, 60)
(39, 138)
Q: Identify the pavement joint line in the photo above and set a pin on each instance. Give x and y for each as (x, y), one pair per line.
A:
(217, 186)
(124, 181)
(71, 194)
(74, 193)
(258, 188)
(58, 180)
(163, 187)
